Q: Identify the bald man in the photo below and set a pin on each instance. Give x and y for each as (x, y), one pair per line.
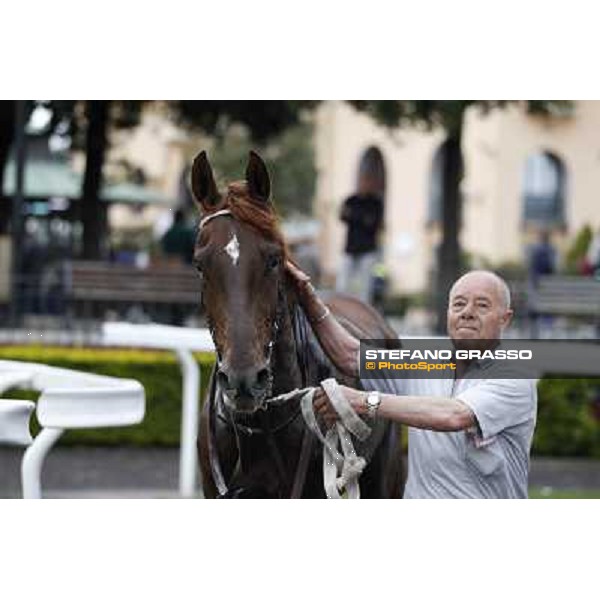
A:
(469, 437)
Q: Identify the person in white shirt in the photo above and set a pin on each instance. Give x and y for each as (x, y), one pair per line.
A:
(468, 437)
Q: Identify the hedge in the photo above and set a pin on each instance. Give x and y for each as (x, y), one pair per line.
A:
(157, 371)
(568, 410)
(568, 418)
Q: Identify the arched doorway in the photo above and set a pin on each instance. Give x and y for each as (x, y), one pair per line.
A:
(544, 191)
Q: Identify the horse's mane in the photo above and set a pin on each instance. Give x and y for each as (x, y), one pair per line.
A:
(259, 215)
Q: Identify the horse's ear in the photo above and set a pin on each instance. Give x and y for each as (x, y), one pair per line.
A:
(257, 178)
(203, 183)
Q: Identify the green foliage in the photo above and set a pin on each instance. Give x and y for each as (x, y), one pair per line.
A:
(290, 158)
(262, 118)
(568, 422)
(158, 372)
(449, 114)
(555, 494)
(577, 251)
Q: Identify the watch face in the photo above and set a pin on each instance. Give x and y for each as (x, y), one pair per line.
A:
(373, 400)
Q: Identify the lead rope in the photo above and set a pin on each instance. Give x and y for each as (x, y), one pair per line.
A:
(342, 467)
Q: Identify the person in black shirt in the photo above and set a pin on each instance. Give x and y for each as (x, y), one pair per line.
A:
(363, 214)
(178, 242)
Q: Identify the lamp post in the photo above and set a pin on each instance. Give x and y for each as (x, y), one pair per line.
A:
(17, 213)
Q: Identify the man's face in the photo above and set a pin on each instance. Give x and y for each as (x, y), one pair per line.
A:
(476, 309)
(367, 184)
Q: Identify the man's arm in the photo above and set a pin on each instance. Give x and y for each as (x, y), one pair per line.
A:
(427, 412)
(424, 412)
(340, 346)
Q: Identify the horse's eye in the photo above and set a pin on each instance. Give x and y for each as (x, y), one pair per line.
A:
(273, 262)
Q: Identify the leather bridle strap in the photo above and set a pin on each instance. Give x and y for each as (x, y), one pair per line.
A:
(213, 451)
(302, 466)
(211, 216)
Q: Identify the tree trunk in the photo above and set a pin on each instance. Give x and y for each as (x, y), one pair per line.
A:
(93, 211)
(7, 132)
(449, 260)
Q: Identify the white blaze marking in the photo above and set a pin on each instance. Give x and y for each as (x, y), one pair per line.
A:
(233, 249)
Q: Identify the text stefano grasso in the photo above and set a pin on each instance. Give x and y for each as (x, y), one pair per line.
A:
(497, 354)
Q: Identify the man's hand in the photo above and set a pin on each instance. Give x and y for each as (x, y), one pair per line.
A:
(299, 277)
(323, 407)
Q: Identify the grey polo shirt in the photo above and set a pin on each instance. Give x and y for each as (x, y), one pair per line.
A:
(489, 462)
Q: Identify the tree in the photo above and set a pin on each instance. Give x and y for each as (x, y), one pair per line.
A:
(89, 129)
(291, 161)
(274, 128)
(89, 124)
(449, 116)
(7, 133)
(263, 119)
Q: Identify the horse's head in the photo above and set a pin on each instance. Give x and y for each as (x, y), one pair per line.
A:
(240, 255)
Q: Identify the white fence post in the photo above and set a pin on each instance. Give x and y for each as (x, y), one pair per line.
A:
(188, 459)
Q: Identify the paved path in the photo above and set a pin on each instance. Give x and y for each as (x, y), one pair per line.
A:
(73, 472)
(153, 473)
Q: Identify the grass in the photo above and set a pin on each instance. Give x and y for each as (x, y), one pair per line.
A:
(554, 494)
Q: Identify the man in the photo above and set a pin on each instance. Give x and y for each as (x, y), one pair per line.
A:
(363, 214)
(469, 437)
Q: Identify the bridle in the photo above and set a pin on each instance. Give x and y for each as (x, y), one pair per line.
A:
(241, 425)
(275, 323)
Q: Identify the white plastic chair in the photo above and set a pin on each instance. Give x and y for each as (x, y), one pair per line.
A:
(182, 341)
(69, 400)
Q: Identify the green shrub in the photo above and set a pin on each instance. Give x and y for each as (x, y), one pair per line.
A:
(567, 418)
(567, 422)
(577, 250)
(158, 372)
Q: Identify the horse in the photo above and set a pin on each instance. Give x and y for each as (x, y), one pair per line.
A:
(249, 448)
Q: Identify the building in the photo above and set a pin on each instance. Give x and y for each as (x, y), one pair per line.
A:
(522, 174)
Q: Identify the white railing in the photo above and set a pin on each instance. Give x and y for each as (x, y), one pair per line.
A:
(182, 341)
(68, 400)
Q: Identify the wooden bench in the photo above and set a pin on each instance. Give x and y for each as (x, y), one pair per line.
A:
(165, 289)
(567, 296)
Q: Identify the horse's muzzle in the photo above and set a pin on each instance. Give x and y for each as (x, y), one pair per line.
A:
(244, 390)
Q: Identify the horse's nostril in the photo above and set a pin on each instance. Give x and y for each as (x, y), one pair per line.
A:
(262, 378)
(222, 380)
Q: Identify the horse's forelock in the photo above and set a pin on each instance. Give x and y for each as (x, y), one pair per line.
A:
(257, 214)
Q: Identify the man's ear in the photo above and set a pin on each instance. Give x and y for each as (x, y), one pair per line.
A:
(203, 183)
(507, 317)
(257, 178)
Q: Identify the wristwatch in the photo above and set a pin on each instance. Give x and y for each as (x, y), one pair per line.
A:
(373, 400)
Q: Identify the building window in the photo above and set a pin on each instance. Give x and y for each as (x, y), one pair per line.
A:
(544, 191)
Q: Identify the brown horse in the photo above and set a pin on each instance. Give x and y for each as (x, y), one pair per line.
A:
(265, 347)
